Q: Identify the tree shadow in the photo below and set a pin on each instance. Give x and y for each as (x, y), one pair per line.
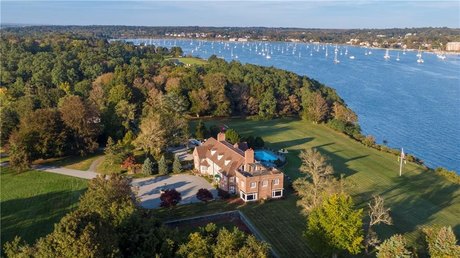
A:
(415, 200)
(34, 217)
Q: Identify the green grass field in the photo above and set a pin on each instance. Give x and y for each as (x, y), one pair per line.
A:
(191, 60)
(416, 198)
(72, 162)
(31, 202)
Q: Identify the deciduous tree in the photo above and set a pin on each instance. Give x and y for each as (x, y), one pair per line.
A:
(83, 120)
(335, 226)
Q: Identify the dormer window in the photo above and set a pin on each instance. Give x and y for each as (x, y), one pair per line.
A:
(227, 161)
(220, 156)
(213, 151)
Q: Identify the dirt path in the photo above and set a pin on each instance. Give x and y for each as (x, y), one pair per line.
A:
(93, 166)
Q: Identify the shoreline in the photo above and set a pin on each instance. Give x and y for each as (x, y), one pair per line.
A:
(452, 53)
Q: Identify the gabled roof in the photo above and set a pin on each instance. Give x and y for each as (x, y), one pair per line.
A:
(212, 149)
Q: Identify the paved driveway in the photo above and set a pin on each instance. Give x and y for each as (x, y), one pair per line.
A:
(148, 189)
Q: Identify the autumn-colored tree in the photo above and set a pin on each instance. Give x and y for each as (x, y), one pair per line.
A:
(315, 107)
(318, 182)
(129, 163)
(343, 113)
(83, 120)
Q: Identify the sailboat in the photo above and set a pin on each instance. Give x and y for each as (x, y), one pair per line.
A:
(326, 52)
(397, 58)
(420, 60)
(387, 55)
(336, 61)
(441, 56)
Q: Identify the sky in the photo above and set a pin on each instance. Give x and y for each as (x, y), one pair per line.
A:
(300, 14)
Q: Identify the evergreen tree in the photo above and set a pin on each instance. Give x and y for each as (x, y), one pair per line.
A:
(162, 166)
(200, 131)
(441, 242)
(393, 247)
(147, 167)
(177, 166)
(232, 136)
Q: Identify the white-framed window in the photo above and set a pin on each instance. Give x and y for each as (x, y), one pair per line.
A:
(276, 181)
(248, 197)
(242, 195)
(232, 189)
(265, 183)
(253, 185)
(251, 197)
(277, 193)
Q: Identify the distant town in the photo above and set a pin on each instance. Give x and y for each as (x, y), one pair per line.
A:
(427, 39)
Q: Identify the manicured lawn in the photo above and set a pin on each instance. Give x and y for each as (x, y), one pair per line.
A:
(73, 162)
(31, 202)
(417, 198)
(191, 60)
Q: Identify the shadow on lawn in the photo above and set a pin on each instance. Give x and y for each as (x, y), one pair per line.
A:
(414, 201)
(34, 217)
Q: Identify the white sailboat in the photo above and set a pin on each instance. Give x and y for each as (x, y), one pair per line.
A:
(387, 55)
(397, 58)
(441, 56)
(336, 61)
(420, 60)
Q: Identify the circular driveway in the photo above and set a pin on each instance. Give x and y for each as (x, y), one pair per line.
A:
(148, 189)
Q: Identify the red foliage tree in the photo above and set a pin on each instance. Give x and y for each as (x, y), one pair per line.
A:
(129, 163)
(204, 195)
(170, 198)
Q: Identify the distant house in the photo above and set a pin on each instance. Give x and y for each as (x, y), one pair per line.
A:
(453, 46)
(236, 171)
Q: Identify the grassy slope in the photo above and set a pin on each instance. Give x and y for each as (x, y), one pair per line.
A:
(31, 202)
(417, 198)
(191, 60)
(72, 162)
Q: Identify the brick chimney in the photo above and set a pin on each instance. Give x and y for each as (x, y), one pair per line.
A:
(221, 137)
(249, 156)
(248, 159)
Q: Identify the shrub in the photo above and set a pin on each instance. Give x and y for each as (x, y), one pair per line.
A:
(259, 142)
(170, 198)
(449, 175)
(369, 141)
(204, 195)
(223, 194)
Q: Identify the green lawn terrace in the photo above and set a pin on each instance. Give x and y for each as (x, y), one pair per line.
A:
(419, 197)
(33, 201)
(188, 60)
